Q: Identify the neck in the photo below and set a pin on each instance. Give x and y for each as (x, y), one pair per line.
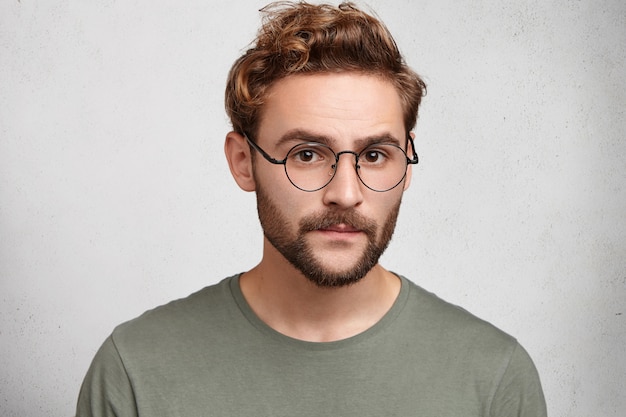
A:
(291, 304)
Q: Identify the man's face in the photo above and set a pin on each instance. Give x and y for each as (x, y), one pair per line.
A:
(333, 236)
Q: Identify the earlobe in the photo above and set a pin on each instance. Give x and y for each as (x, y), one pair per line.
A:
(239, 160)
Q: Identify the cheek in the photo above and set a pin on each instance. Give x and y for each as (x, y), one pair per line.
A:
(388, 223)
(271, 178)
(281, 198)
(387, 214)
(390, 201)
(407, 179)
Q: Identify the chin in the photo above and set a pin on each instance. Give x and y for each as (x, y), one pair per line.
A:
(333, 278)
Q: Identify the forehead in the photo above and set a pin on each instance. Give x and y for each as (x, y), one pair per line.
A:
(345, 106)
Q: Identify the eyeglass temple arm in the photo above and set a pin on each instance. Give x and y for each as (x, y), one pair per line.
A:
(414, 159)
(262, 152)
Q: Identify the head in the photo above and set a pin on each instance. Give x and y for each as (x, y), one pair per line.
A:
(334, 73)
(301, 38)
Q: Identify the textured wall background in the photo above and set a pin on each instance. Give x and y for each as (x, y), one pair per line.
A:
(115, 196)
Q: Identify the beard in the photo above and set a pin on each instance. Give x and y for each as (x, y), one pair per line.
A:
(300, 254)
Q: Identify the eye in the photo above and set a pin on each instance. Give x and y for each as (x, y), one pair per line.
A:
(373, 156)
(306, 155)
(309, 154)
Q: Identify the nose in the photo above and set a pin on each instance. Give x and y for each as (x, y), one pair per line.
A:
(345, 190)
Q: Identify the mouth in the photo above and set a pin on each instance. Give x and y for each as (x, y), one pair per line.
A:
(340, 228)
(350, 225)
(340, 233)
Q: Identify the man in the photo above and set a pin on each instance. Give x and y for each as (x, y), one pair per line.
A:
(322, 107)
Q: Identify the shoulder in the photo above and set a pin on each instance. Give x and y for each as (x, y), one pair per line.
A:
(444, 324)
(180, 319)
(467, 351)
(142, 353)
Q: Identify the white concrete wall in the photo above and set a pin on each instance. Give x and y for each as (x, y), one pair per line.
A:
(115, 196)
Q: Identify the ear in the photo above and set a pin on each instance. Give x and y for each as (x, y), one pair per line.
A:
(409, 169)
(239, 160)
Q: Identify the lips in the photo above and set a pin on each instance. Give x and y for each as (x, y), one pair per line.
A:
(348, 223)
(340, 228)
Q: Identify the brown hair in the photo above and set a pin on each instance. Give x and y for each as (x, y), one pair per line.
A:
(301, 38)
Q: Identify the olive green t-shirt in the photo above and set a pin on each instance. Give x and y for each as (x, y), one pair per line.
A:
(210, 355)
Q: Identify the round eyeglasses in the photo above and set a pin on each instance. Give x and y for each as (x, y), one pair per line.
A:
(311, 166)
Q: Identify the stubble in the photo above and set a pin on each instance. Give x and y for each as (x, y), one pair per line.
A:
(300, 254)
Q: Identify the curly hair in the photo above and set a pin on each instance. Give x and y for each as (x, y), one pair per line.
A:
(301, 38)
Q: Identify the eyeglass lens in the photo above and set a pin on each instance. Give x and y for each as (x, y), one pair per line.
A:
(311, 166)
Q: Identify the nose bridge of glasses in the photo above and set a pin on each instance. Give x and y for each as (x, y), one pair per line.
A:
(345, 182)
(356, 158)
(353, 169)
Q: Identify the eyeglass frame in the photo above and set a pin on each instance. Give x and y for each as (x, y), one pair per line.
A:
(409, 161)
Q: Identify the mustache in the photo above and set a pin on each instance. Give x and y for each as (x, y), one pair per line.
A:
(327, 219)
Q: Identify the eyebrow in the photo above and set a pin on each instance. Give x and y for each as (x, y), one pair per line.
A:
(301, 135)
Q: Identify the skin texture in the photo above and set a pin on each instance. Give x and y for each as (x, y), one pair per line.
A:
(319, 278)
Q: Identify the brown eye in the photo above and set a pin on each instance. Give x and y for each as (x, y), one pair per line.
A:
(305, 155)
(309, 154)
(372, 156)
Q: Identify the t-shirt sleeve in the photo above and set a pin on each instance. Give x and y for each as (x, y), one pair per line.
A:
(519, 392)
(106, 390)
